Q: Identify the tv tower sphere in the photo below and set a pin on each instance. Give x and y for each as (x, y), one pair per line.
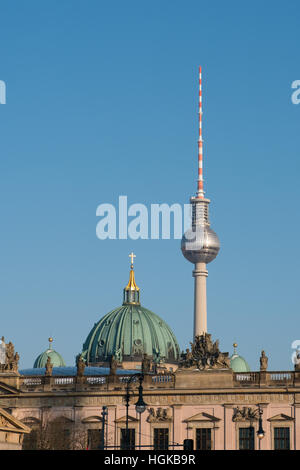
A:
(200, 244)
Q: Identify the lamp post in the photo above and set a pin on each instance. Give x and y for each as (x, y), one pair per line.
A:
(260, 432)
(103, 414)
(140, 405)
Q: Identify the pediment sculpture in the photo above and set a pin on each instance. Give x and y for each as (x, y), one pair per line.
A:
(245, 414)
(4, 422)
(159, 415)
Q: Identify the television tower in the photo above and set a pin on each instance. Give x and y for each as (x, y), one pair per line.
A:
(200, 244)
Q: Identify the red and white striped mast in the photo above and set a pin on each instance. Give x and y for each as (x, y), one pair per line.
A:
(200, 192)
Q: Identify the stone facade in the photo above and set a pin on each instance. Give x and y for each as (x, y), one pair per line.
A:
(212, 406)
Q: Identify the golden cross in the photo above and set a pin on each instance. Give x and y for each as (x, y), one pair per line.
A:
(132, 256)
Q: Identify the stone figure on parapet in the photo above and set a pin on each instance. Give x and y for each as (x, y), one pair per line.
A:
(113, 365)
(8, 358)
(49, 367)
(80, 364)
(263, 361)
(205, 355)
(2, 351)
(118, 356)
(297, 361)
(146, 364)
(10, 351)
(15, 362)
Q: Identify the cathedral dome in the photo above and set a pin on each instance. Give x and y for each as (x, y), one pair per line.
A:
(238, 363)
(55, 358)
(130, 331)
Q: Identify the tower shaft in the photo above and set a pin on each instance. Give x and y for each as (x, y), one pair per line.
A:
(200, 307)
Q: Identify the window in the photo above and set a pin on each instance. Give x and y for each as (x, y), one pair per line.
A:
(30, 441)
(131, 439)
(61, 439)
(203, 439)
(282, 438)
(246, 438)
(161, 439)
(94, 439)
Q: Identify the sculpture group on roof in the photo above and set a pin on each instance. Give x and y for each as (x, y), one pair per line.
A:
(205, 354)
(9, 360)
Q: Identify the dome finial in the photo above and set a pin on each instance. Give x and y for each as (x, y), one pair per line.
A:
(132, 284)
(131, 291)
(50, 342)
(234, 346)
(132, 256)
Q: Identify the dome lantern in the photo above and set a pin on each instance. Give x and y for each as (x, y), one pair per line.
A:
(131, 291)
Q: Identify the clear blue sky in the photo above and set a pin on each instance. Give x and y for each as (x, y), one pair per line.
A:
(102, 102)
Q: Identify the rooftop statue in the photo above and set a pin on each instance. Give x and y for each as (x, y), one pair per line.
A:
(263, 361)
(205, 354)
(49, 367)
(146, 364)
(297, 361)
(2, 351)
(80, 364)
(8, 358)
(113, 365)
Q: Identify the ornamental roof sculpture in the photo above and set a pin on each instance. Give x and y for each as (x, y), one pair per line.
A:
(205, 355)
(9, 360)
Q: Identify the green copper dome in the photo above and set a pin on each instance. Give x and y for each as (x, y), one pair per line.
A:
(130, 331)
(238, 363)
(55, 358)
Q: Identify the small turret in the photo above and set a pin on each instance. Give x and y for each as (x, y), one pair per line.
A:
(55, 358)
(237, 362)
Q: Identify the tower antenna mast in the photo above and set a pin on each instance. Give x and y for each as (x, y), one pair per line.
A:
(200, 192)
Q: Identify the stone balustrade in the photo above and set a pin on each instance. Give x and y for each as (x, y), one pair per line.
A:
(264, 378)
(118, 382)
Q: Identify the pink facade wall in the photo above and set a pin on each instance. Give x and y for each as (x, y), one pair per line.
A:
(217, 417)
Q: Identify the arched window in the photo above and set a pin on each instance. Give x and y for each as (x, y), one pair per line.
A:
(30, 441)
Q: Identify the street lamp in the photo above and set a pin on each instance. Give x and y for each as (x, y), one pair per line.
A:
(104, 414)
(140, 405)
(260, 432)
